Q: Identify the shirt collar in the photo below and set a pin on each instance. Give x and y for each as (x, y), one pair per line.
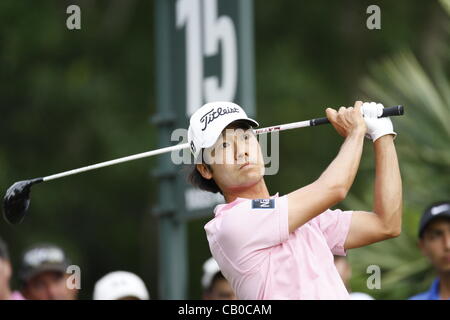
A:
(271, 197)
(433, 293)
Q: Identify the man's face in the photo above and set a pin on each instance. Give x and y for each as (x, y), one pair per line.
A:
(221, 290)
(49, 285)
(435, 244)
(236, 159)
(5, 275)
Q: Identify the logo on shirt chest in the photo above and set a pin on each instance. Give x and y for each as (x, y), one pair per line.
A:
(263, 204)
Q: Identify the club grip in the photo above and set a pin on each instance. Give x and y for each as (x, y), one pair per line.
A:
(318, 121)
(387, 112)
(392, 111)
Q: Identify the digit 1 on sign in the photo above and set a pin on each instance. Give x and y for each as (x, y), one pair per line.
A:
(188, 14)
(217, 30)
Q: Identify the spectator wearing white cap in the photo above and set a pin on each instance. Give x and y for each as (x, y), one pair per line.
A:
(120, 285)
(215, 286)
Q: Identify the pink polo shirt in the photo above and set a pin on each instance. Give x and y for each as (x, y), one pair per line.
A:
(250, 241)
(16, 295)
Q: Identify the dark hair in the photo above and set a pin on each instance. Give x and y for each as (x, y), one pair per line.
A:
(3, 250)
(197, 180)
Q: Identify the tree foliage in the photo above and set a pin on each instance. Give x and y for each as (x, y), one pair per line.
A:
(72, 98)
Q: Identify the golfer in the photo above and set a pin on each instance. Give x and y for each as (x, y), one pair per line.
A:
(281, 247)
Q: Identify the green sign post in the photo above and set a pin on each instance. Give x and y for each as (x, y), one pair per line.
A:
(204, 52)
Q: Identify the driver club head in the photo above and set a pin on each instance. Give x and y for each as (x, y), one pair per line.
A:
(17, 200)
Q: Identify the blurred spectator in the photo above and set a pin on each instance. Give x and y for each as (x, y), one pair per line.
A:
(5, 272)
(434, 242)
(5, 275)
(120, 285)
(345, 271)
(215, 286)
(43, 274)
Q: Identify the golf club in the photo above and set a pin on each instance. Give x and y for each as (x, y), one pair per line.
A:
(17, 198)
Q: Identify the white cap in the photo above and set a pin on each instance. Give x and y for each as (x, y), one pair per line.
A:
(207, 123)
(120, 284)
(360, 296)
(210, 269)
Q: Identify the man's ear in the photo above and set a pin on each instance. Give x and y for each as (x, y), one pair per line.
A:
(204, 171)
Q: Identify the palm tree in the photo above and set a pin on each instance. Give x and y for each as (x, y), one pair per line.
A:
(423, 146)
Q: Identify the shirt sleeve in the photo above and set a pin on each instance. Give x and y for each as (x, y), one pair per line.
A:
(335, 225)
(252, 226)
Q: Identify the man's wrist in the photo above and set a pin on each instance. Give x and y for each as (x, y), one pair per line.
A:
(387, 138)
(358, 132)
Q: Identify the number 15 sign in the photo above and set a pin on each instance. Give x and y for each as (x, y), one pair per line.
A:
(204, 53)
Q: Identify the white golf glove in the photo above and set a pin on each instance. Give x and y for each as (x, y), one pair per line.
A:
(376, 127)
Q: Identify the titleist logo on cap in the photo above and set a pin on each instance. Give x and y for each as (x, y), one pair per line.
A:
(213, 115)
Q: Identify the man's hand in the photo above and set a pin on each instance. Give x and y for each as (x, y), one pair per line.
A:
(376, 127)
(347, 120)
